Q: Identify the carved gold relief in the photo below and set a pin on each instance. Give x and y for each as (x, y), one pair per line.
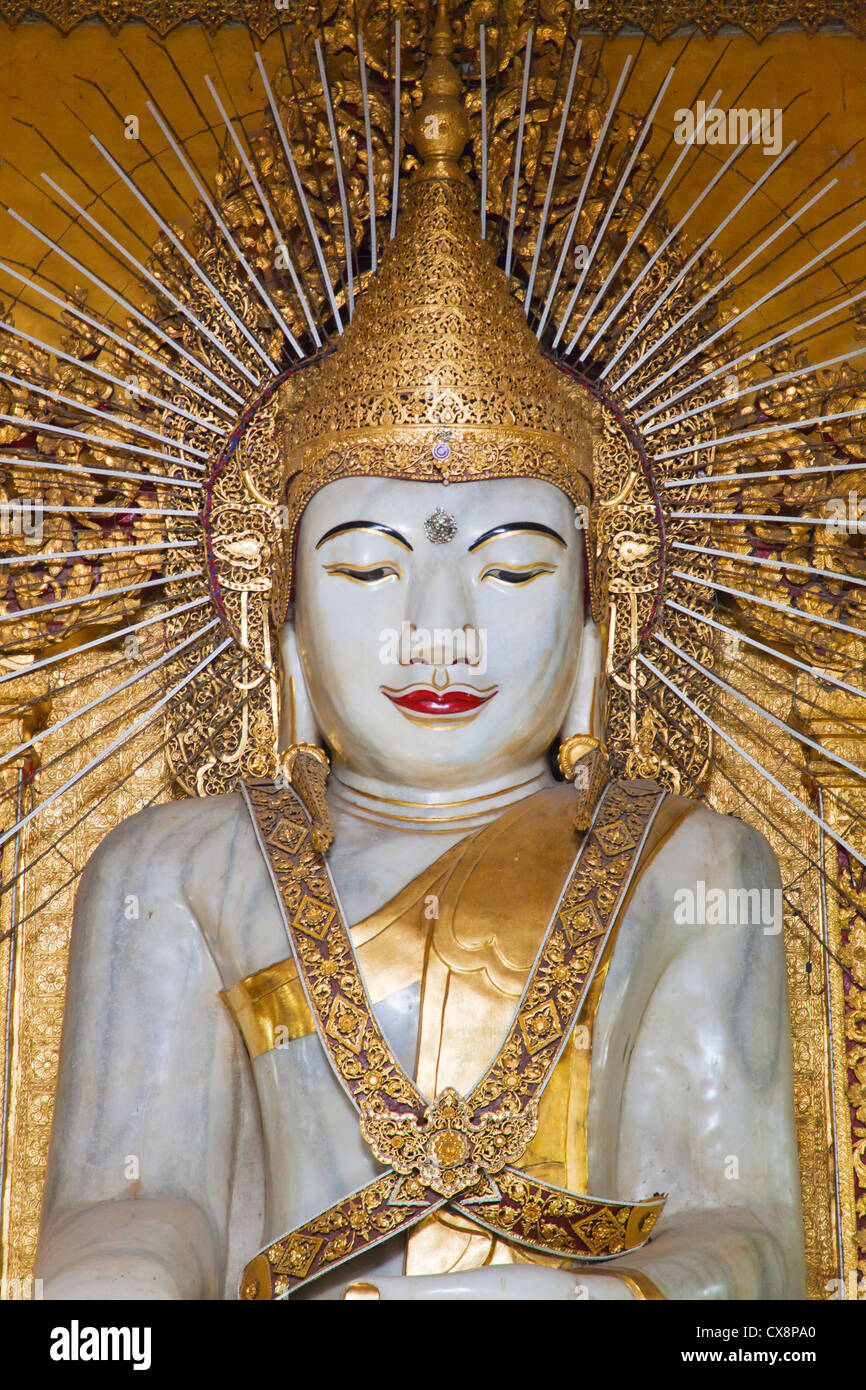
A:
(263, 18)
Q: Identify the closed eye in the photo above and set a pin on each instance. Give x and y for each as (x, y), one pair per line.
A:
(366, 574)
(516, 574)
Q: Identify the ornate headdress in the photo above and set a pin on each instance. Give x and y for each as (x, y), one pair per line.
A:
(438, 377)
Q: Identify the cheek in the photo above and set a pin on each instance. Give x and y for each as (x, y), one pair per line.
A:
(340, 628)
(531, 630)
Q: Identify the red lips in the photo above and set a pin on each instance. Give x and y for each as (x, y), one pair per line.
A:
(451, 701)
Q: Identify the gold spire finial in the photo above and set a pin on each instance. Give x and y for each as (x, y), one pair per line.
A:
(440, 126)
(441, 39)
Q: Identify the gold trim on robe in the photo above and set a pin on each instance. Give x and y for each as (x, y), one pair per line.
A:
(390, 944)
(469, 928)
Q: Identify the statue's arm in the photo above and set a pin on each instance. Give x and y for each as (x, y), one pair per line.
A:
(707, 1111)
(137, 1197)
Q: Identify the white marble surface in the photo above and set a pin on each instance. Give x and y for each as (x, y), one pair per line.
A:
(691, 1058)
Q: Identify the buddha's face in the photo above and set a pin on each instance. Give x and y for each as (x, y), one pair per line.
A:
(439, 650)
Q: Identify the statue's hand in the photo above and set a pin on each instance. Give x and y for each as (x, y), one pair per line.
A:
(512, 1283)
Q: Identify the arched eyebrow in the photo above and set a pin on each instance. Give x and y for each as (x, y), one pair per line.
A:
(363, 526)
(518, 526)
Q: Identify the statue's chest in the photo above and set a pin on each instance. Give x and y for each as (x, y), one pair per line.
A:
(494, 947)
(443, 1028)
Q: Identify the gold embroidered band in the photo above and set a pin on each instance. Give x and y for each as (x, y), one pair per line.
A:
(269, 1007)
(456, 1150)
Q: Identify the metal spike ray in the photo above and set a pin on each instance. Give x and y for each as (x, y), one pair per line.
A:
(107, 417)
(612, 273)
(751, 474)
(46, 427)
(109, 694)
(91, 370)
(774, 652)
(758, 709)
(702, 248)
(48, 465)
(132, 349)
(794, 278)
(266, 208)
(518, 151)
(765, 562)
(52, 557)
(155, 283)
(301, 195)
(112, 636)
(341, 183)
(662, 248)
(637, 145)
(698, 445)
(482, 34)
(127, 734)
(220, 222)
(752, 762)
(754, 388)
(395, 179)
(751, 354)
(368, 140)
(190, 260)
(80, 599)
(590, 170)
(701, 581)
(129, 308)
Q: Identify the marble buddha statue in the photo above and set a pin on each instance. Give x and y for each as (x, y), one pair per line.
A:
(419, 1018)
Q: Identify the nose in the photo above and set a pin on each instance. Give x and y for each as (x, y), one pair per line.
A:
(440, 612)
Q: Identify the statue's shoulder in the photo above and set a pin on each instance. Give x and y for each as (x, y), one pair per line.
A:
(167, 838)
(694, 835)
(192, 871)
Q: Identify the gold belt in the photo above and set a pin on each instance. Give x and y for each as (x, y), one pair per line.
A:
(453, 1151)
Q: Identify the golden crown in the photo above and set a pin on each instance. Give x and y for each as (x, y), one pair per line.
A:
(439, 377)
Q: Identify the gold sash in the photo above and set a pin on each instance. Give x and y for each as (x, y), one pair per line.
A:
(460, 1151)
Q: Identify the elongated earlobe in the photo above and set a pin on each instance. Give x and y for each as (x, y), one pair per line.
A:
(297, 721)
(583, 715)
(301, 760)
(582, 754)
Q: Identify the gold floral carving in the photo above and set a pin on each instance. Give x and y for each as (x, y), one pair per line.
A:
(261, 16)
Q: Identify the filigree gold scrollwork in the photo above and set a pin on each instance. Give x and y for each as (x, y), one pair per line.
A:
(244, 527)
(446, 1148)
(629, 539)
(263, 18)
